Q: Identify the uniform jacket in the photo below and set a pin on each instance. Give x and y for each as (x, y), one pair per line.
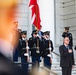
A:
(22, 47)
(33, 44)
(65, 34)
(45, 46)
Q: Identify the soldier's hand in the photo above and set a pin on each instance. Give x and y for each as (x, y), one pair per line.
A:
(38, 36)
(50, 60)
(28, 59)
(70, 51)
(72, 66)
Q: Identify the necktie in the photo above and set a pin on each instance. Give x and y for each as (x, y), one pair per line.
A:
(67, 47)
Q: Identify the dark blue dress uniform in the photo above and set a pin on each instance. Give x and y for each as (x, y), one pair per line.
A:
(15, 55)
(47, 60)
(46, 45)
(22, 51)
(67, 34)
(35, 48)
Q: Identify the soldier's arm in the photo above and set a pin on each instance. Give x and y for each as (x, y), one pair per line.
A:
(20, 44)
(64, 34)
(52, 46)
(29, 43)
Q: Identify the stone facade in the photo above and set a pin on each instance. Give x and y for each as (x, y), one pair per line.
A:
(65, 14)
(23, 16)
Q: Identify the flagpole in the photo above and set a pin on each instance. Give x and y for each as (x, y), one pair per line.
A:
(37, 24)
(35, 15)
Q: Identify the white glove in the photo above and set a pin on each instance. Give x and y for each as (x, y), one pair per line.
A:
(26, 54)
(27, 47)
(49, 55)
(50, 48)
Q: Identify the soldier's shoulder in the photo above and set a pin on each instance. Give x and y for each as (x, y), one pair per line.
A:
(70, 33)
(20, 39)
(30, 38)
(63, 34)
(50, 40)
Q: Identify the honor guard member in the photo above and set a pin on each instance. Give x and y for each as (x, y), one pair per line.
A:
(40, 33)
(43, 44)
(47, 51)
(34, 44)
(66, 33)
(23, 51)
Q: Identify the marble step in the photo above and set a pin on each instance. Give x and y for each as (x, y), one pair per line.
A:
(57, 69)
(60, 72)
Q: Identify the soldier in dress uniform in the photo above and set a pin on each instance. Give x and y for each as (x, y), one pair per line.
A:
(66, 33)
(23, 51)
(47, 50)
(43, 44)
(35, 48)
(40, 33)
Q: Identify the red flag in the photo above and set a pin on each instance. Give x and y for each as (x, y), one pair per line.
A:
(35, 13)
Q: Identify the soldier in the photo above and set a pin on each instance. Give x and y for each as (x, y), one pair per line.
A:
(47, 51)
(40, 33)
(35, 48)
(43, 44)
(23, 51)
(66, 33)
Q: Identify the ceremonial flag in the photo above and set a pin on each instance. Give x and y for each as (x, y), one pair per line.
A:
(35, 13)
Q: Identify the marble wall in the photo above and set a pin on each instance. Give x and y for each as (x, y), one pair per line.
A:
(65, 14)
(23, 16)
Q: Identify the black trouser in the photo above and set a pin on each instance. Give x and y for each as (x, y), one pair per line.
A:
(36, 61)
(47, 62)
(66, 70)
(24, 65)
